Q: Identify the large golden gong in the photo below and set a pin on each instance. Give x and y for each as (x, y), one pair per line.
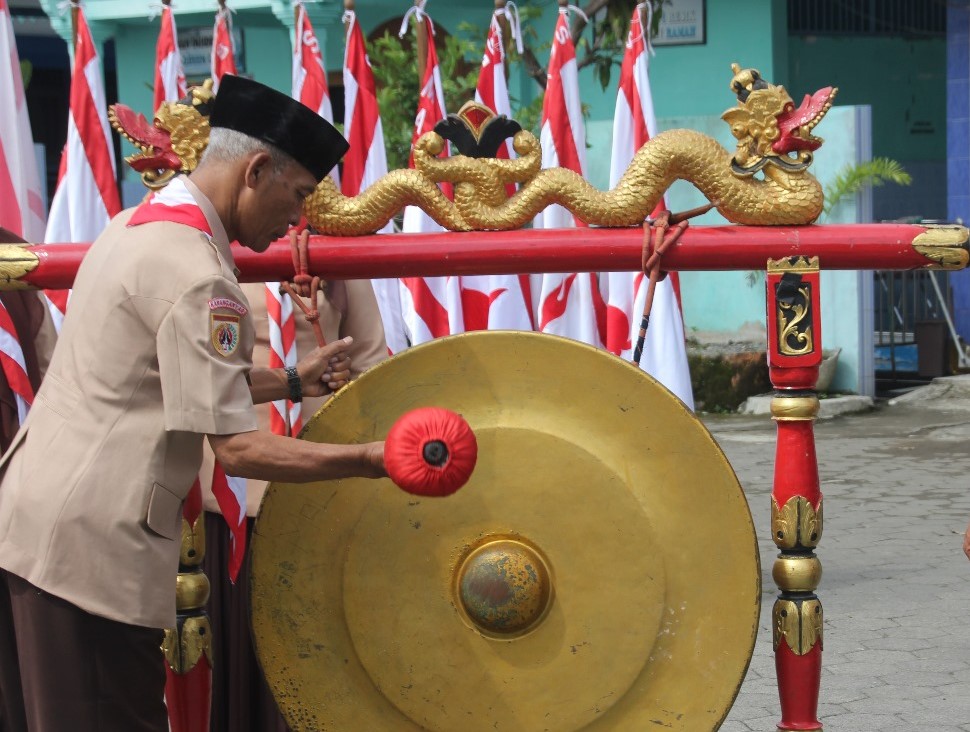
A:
(598, 572)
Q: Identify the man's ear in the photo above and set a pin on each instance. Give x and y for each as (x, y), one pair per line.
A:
(257, 168)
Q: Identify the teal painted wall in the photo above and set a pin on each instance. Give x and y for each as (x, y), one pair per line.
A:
(904, 82)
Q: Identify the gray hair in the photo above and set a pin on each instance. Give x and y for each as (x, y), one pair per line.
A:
(226, 145)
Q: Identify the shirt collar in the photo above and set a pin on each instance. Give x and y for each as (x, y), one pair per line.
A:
(219, 236)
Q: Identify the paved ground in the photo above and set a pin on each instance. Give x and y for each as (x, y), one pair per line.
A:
(896, 586)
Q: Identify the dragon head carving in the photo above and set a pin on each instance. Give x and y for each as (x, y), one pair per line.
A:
(769, 128)
(174, 143)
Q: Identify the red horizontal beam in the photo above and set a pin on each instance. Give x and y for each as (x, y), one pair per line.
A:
(702, 248)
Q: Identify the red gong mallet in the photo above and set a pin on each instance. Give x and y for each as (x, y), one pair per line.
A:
(430, 452)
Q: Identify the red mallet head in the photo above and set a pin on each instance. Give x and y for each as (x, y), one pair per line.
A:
(430, 452)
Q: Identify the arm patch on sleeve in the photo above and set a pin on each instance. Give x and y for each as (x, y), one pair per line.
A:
(224, 333)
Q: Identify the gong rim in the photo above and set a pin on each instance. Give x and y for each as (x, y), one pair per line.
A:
(604, 514)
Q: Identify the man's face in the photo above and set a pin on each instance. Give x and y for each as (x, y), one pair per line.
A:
(273, 201)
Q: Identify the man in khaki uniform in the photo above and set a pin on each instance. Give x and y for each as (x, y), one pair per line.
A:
(241, 699)
(155, 353)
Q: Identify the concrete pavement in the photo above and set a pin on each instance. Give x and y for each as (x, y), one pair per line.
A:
(895, 589)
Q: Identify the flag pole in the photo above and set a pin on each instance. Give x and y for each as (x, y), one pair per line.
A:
(421, 45)
(75, 9)
(506, 27)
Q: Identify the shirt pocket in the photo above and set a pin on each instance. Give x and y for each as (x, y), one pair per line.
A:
(164, 515)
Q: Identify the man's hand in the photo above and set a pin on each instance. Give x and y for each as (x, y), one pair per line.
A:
(325, 369)
(966, 542)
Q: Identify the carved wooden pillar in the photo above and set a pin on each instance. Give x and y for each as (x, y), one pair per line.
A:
(794, 354)
(188, 663)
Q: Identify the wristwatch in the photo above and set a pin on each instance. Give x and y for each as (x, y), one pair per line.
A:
(294, 383)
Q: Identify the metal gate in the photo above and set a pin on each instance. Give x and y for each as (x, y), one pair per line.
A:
(915, 339)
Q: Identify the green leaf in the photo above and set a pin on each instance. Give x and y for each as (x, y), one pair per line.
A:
(853, 178)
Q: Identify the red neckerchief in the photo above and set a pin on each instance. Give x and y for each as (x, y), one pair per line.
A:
(173, 203)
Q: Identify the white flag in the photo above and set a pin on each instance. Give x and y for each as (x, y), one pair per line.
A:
(496, 301)
(87, 192)
(568, 304)
(169, 78)
(665, 351)
(431, 305)
(366, 162)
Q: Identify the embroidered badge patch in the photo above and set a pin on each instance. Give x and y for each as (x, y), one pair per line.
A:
(224, 332)
(225, 302)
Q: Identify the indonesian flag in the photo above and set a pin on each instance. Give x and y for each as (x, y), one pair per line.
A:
(431, 305)
(665, 352)
(568, 304)
(223, 48)
(496, 301)
(87, 194)
(169, 77)
(21, 201)
(366, 162)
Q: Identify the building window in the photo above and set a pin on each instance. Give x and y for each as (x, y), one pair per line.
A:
(906, 18)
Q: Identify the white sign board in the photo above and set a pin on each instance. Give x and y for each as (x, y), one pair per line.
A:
(682, 23)
(195, 45)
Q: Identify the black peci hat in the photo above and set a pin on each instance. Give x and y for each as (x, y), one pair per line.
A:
(256, 110)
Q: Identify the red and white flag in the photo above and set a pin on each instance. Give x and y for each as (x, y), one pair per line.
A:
(21, 200)
(497, 301)
(14, 364)
(310, 88)
(309, 75)
(366, 162)
(568, 304)
(230, 494)
(284, 415)
(87, 193)
(665, 351)
(21, 203)
(223, 48)
(492, 89)
(431, 305)
(169, 76)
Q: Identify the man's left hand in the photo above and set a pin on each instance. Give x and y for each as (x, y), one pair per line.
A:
(325, 369)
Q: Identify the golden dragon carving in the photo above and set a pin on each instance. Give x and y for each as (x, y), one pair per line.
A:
(765, 181)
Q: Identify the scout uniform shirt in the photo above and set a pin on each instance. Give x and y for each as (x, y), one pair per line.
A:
(154, 354)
